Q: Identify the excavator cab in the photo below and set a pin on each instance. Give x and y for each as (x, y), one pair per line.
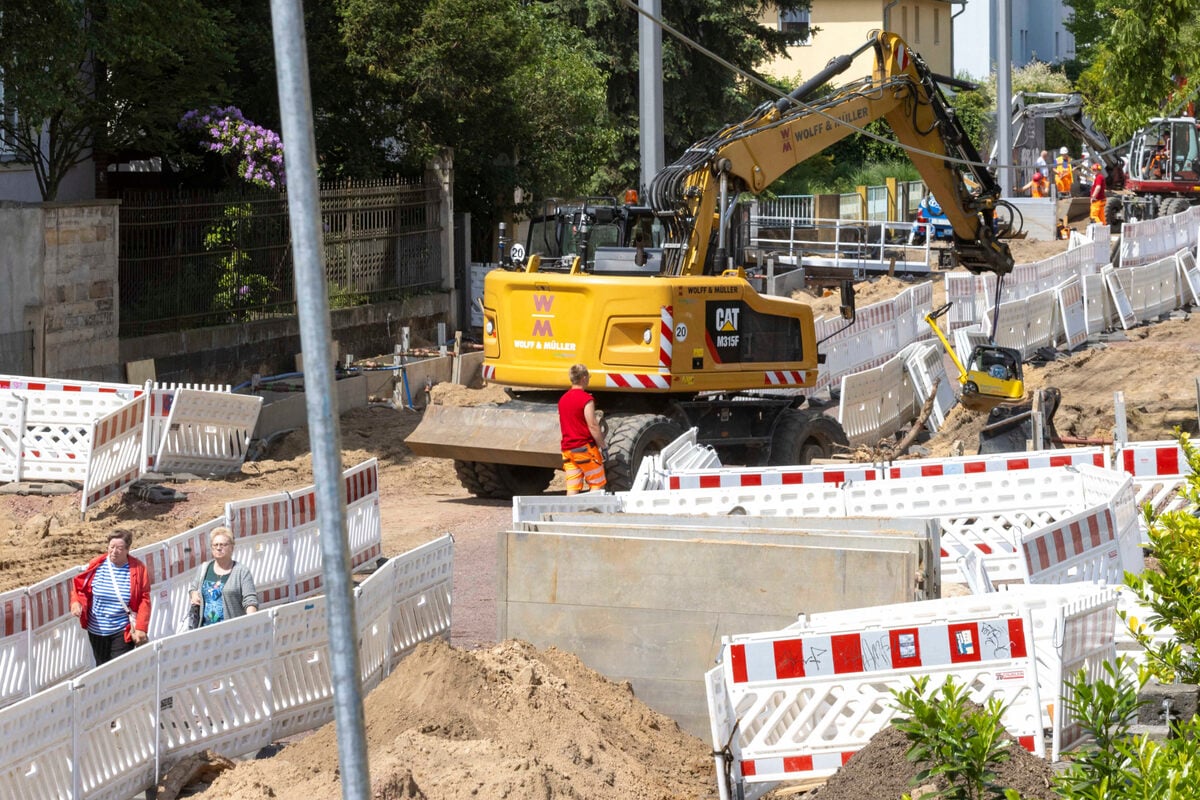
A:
(992, 375)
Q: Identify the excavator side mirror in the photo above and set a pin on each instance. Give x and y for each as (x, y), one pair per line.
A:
(848, 309)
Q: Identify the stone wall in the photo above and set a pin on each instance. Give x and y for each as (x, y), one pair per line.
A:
(233, 353)
(61, 283)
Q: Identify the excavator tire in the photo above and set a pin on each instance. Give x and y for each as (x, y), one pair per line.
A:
(631, 437)
(1173, 205)
(801, 437)
(1114, 211)
(502, 481)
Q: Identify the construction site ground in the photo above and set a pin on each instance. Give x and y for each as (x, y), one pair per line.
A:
(484, 719)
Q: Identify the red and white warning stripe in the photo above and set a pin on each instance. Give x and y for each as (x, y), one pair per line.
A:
(966, 642)
(1061, 543)
(975, 465)
(902, 56)
(12, 614)
(48, 603)
(1152, 459)
(489, 372)
(783, 377)
(264, 515)
(733, 479)
(636, 380)
(362, 481)
(666, 338)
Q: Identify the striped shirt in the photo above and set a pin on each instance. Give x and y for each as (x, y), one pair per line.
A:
(107, 613)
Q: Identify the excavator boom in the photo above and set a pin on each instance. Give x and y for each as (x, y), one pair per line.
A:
(699, 193)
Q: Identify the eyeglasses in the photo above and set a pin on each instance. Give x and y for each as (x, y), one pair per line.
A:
(222, 544)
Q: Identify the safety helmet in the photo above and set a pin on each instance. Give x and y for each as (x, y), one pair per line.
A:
(1095, 167)
(1037, 176)
(1063, 150)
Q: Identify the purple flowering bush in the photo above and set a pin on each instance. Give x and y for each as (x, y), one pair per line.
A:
(258, 150)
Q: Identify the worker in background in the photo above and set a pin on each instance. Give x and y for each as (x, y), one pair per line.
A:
(1085, 168)
(1064, 177)
(1096, 210)
(582, 440)
(1043, 164)
(1037, 186)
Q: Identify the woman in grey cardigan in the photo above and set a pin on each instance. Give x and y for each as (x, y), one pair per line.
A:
(223, 588)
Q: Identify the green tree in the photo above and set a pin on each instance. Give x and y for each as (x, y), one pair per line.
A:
(1139, 52)
(514, 91)
(106, 75)
(700, 95)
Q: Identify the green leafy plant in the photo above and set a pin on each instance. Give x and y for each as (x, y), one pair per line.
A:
(1117, 765)
(342, 297)
(958, 741)
(239, 287)
(1172, 591)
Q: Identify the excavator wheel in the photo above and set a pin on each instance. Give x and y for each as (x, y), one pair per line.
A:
(801, 437)
(502, 481)
(1114, 211)
(1172, 206)
(630, 438)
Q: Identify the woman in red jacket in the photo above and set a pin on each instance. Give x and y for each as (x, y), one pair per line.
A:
(111, 597)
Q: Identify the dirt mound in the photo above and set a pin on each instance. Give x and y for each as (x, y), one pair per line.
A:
(453, 394)
(882, 771)
(510, 721)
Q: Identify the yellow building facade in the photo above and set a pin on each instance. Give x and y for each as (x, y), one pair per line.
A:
(843, 25)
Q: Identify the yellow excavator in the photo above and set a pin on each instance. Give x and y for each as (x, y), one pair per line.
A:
(675, 336)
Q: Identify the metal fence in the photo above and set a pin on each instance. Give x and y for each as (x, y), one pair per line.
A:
(16, 353)
(190, 260)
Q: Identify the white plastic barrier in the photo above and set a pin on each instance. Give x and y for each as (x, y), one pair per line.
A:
(55, 437)
(43, 644)
(1072, 313)
(207, 432)
(1189, 277)
(879, 332)
(12, 428)
(1028, 324)
(1119, 298)
(1081, 548)
(233, 687)
(927, 371)
(877, 402)
(117, 453)
(987, 512)
(804, 702)
(1159, 470)
(161, 401)
(1152, 239)
(1098, 304)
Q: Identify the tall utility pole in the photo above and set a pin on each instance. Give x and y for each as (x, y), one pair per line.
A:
(1004, 172)
(650, 93)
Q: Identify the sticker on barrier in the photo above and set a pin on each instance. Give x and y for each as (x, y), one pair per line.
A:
(808, 702)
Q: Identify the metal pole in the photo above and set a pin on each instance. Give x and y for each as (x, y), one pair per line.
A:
(1004, 174)
(650, 92)
(304, 213)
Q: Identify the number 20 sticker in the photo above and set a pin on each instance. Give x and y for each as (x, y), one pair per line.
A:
(680, 331)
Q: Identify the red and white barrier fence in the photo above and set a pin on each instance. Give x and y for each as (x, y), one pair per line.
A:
(42, 643)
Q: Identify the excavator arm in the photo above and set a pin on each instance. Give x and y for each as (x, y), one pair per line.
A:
(697, 195)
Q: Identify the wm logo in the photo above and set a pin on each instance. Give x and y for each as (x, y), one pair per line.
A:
(541, 327)
(787, 139)
(542, 302)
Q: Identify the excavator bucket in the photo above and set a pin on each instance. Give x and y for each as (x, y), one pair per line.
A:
(517, 432)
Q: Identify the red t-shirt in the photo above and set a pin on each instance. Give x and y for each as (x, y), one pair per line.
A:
(574, 427)
(1098, 188)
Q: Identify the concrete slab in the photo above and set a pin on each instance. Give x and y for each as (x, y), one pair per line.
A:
(652, 609)
(289, 411)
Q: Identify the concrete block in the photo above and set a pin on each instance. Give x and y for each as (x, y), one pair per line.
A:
(140, 371)
(1178, 700)
(1155, 733)
(290, 411)
(652, 609)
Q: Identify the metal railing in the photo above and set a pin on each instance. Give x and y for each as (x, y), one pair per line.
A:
(190, 260)
(848, 243)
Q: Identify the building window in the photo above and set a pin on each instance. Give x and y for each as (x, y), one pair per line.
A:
(937, 26)
(917, 24)
(797, 23)
(904, 22)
